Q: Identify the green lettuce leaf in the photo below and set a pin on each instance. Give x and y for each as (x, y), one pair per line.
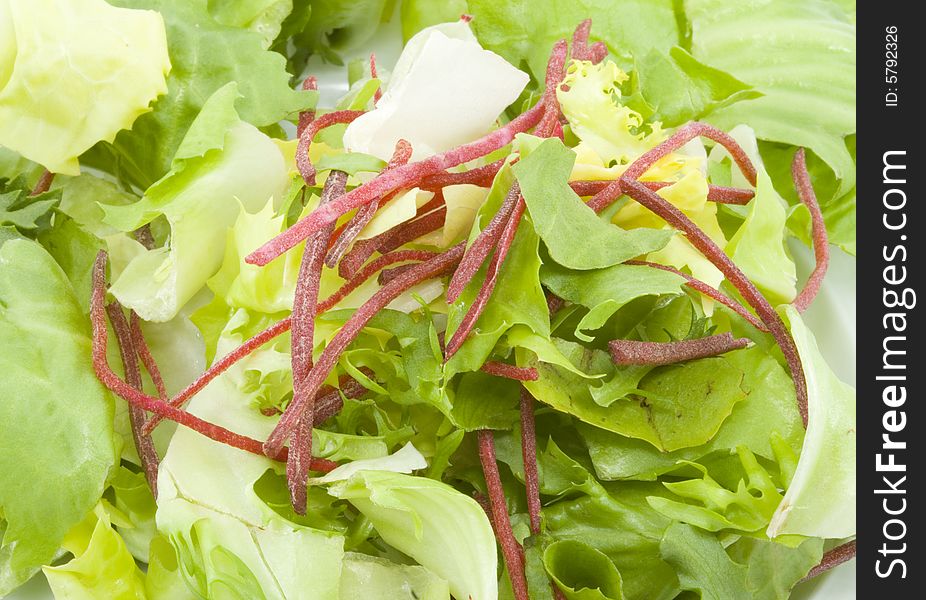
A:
(772, 569)
(820, 501)
(660, 76)
(163, 580)
(675, 407)
(206, 56)
(57, 447)
(702, 564)
(808, 103)
(375, 578)
(225, 536)
(517, 301)
(524, 31)
(746, 509)
(582, 572)
(560, 217)
(82, 57)
(769, 406)
(25, 212)
(216, 174)
(264, 17)
(442, 529)
(605, 291)
(102, 566)
(483, 401)
(132, 497)
(758, 246)
(616, 521)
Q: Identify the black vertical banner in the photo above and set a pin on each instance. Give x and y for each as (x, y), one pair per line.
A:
(891, 267)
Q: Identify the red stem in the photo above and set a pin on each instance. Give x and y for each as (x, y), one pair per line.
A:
(403, 177)
(580, 48)
(305, 304)
(373, 74)
(434, 267)
(150, 404)
(144, 445)
(283, 326)
(481, 176)
(144, 353)
(44, 182)
(303, 162)
(482, 246)
(488, 286)
(500, 369)
(821, 246)
(833, 558)
(365, 214)
(715, 193)
(707, 290)
(529, 456)
(511, 549)
(306, 116)
(632, 352)
(426, 220)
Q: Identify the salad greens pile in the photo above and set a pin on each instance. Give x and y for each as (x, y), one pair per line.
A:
(517, 318)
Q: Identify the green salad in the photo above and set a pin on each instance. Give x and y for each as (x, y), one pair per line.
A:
(515, 317)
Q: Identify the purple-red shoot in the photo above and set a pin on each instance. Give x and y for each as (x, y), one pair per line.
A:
(821, 244)
(632, 352)
(511, 549)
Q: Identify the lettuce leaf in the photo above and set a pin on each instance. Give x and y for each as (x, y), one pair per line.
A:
(675, 407)
(582, 572)
(206, 56)
(264, 17)
(605, 291)
(102, 566)
(438, 526)
(374, 578)
(769, 406)
(81, 57)
(225, 536)
(56, 452)
(432, 107)
(560, 217)
(820, 500)
(702, 564)
(217, 173)
(808, 103)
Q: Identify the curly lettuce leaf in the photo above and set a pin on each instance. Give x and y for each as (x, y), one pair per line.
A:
(820, 501)
(748, 508)
(439, 527)
(216, 174)
(81, 57)
(56, 447)
(773, 569)
(102, 566)
(590, 98)
(808, 103)
(560, 217)
(206, 56)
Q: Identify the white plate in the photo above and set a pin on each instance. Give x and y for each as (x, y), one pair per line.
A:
(831, 317)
